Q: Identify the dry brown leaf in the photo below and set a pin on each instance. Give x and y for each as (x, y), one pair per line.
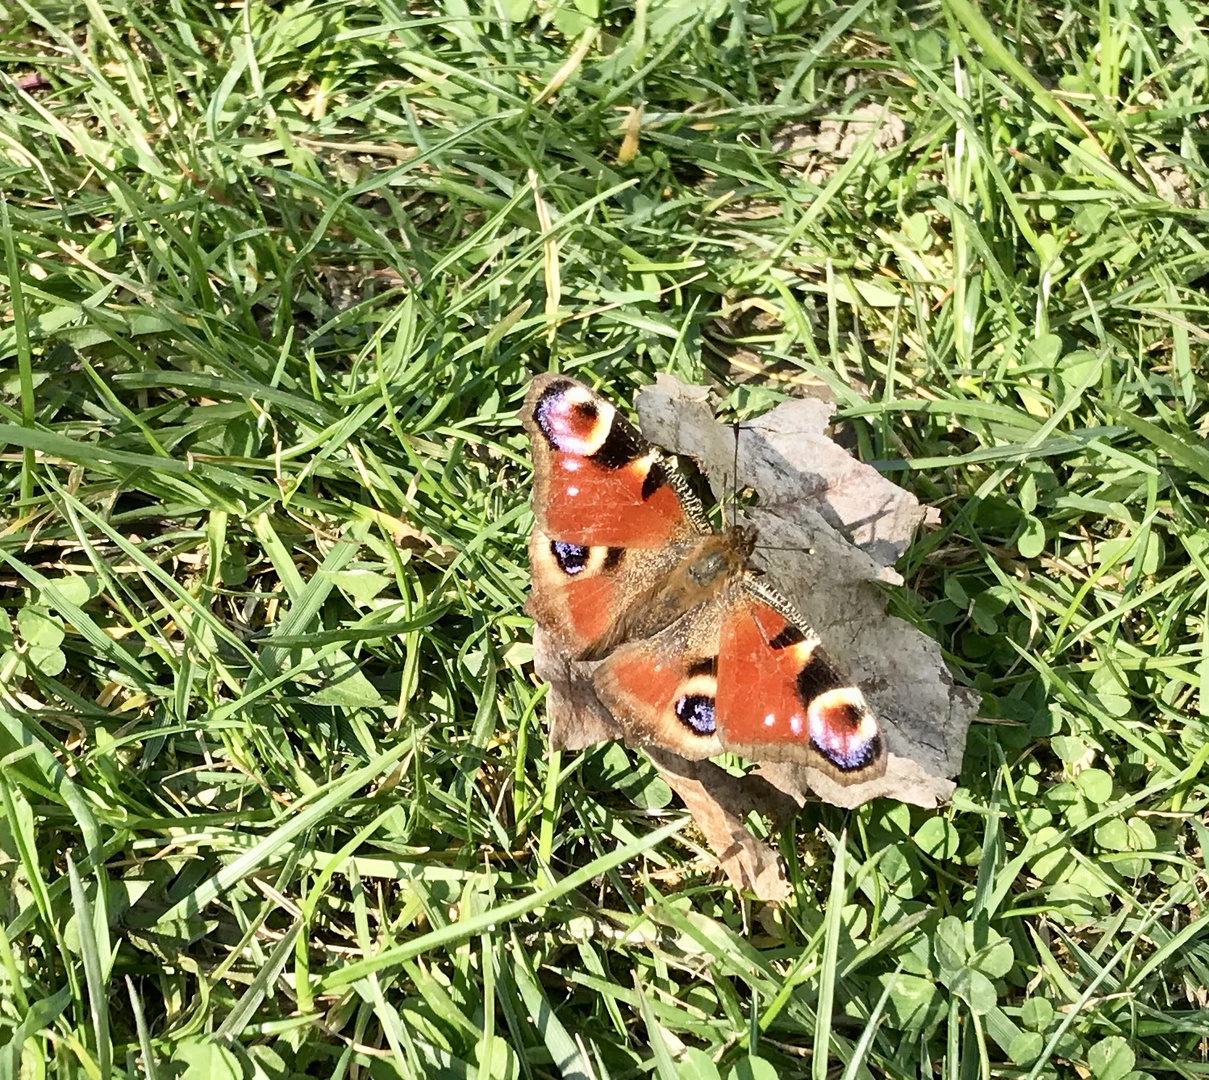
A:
(577, 718)
(719, 802)
(830, 528)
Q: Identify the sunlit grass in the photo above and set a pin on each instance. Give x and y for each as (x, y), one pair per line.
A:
(274, 787)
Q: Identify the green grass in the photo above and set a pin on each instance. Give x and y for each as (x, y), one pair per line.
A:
(275, 797)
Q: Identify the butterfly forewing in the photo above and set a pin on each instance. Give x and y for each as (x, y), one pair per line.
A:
(781, 698)
(597, 481)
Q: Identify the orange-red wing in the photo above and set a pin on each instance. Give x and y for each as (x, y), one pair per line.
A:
(661, 695)
(781, 698)
(736, 674)
(597, 482)
(579, 593)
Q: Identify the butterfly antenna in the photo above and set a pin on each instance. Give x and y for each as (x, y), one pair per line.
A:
(734, 479)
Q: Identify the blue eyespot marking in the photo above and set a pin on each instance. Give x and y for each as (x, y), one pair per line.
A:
(696, 712)
(571, 558)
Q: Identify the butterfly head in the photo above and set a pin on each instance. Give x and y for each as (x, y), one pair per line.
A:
(742, 539)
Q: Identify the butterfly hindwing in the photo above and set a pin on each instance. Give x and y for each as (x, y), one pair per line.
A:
(581, 594)
(662, 689)
(597, 482)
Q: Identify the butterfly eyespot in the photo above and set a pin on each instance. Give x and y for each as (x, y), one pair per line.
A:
(572, 559)
(584, 415)
(696, 712)
(843, 730)
(572, 421)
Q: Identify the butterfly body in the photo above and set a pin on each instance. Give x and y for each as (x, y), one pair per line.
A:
(698, 654)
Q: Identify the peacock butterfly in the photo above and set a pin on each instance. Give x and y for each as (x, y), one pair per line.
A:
(697, 653)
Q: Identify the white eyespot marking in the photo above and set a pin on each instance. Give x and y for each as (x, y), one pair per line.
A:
(640, 466)
(571, 559)
(770, 719)
(804, 649)
(698, 686)
(847, 697)
(572, 491)
(597, 555)
(796, 722)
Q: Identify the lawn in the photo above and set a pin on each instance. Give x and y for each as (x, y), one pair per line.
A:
(276, 792)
